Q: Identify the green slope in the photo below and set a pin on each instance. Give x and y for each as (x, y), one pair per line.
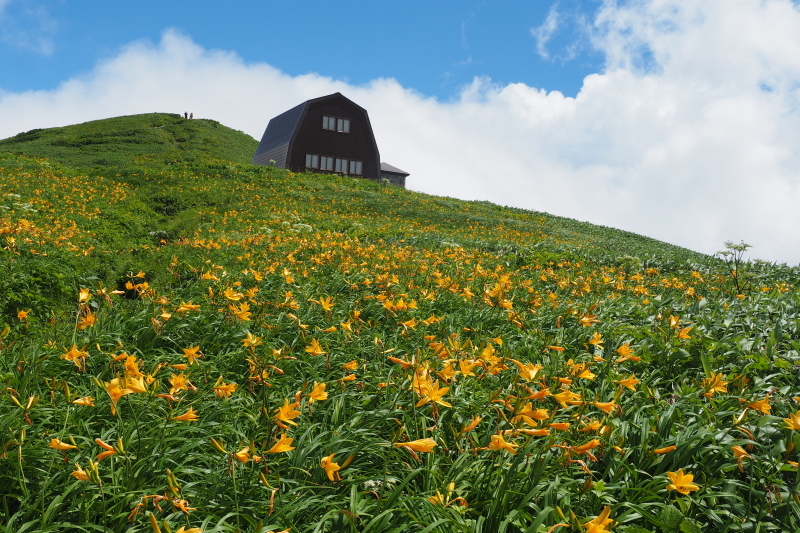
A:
(561, 369)
(144, 150)
(150, 139)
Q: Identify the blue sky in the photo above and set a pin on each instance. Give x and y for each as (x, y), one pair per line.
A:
(675, 119)
(432, 46)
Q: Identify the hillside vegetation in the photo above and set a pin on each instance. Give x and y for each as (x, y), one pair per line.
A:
(152, 139)
(190, 341)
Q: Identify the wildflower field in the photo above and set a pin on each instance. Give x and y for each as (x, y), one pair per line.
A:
(192, 343)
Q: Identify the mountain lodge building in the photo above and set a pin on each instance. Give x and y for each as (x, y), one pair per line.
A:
(329, 134)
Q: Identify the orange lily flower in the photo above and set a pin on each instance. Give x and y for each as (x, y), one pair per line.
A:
(284, 444)
(331, 468)
(421, 445)
(499, 443)
(57, 444)
(188, 416)
(681, 482)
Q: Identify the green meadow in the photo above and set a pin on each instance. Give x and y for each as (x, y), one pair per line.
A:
(192, 343)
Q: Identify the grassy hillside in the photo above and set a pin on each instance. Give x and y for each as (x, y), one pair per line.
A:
(152, 139)
(189, 341)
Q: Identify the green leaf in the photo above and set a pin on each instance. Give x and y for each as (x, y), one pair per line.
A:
(670, 517)
(690, 526)
(706, 363)
(632, 529)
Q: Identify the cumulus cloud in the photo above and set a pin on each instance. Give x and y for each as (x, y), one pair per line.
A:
(691, 133)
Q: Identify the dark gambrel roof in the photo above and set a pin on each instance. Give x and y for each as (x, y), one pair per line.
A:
(292, 135)
(386, 167)
(275, 142)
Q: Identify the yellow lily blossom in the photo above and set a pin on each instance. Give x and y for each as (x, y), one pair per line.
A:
(116, 390)
(132, 366)
(601, 524)
(314, 348)
(472, 425)
(179, 382)
(242, 312)
(192, 354)
(286, 413)
(184, 307)
(625, 354)
(76, 356)
(135, 384)
(189, 416)
(317, 393)
(591, 425)
(434, 394)
(243, 455)
(109, 450)
(662, 451)
(527, 371)
(606, 407)
(714, 384)
(761, 405)
(56, 444)
(86, 401)
(84, 295)
(567, 397)
(629, 382)
(326, 302)
(331, 468)
(681, 482)
(222, 389)
(79, 473)
(232, 295)
(420, 445)
(88, 320)
(793, 422)
(284, 444)
(539, 432)
(499, 443)
(740, 454)
(597, 340)
(251, 341)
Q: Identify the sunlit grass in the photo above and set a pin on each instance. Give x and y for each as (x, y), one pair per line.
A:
(232, 348)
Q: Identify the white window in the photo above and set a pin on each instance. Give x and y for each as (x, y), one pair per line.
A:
(326, 163)
(336, 124)
(341, 165)
(312, 161)
(355, 167)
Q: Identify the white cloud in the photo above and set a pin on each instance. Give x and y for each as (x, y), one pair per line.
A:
(677, 139)
(544, 32)
(28, 26)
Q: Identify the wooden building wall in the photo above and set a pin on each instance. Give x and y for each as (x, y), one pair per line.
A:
(310, 138)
